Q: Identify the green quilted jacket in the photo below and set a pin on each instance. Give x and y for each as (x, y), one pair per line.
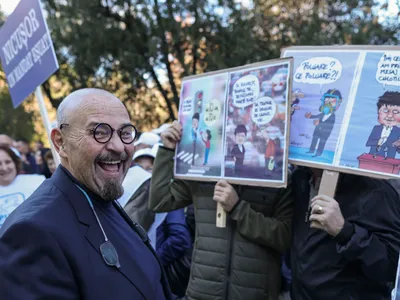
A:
(241, 261)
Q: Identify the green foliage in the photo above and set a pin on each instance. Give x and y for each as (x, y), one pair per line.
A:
(140, 49)
(16, 123)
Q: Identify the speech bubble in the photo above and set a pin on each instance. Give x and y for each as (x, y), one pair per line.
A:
(264, 110)
(187, 106)
(212, 112)
(388, 71)
(245, 91)
(318, 70)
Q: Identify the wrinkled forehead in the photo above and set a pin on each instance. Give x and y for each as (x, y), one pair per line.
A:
(98, 109)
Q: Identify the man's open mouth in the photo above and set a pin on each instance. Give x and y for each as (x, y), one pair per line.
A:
(110, 166)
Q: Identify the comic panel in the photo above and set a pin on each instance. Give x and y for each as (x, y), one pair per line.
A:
(321, 86)
(373, 137)
(201, 113)
(256, 123)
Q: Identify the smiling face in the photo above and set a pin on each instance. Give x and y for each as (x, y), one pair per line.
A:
(100, 167)
(389, 115)
(8, 169)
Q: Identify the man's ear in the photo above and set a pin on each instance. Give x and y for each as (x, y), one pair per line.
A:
(58, 142)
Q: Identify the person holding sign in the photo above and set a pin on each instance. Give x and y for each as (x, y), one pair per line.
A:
(241, 261)
(344, 247)
(70, 239)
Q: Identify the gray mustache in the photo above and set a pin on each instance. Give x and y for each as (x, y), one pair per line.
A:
(112, 157)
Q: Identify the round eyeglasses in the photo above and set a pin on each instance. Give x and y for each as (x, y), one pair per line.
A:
(103, 133)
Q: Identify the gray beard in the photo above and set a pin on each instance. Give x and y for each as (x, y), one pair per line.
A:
(111, 191)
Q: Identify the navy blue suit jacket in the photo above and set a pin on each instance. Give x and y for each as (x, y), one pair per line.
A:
(49, 249)
(388, 145)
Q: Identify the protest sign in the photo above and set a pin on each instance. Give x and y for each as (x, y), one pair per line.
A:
(235, 125)
(27, 56)
(346, 109)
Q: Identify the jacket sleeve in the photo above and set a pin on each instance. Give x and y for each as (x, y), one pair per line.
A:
(319, 116)
(374, 238)
(167, 193)
(177, 237)
(373, 137)
(33, 266)
(273, 232)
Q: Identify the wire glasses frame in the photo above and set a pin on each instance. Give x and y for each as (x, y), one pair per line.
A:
(103, 133)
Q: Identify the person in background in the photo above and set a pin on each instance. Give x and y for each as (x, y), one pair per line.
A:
(241, 261)
(168, 232)
(146, 140)
(49, 160)
(136, 189)
(28, 159)
(38, 146)
(346, 247)
(41, 164)
(70, 239)
(6, 140)
(14, 187)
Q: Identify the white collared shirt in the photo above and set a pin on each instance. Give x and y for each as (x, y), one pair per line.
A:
(326, 117)
(386, 132)
(240, 148)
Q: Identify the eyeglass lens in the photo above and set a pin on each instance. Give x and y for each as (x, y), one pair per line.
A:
(103, 133)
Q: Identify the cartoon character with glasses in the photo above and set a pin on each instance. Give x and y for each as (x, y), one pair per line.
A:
(324, 121)
(384, 140)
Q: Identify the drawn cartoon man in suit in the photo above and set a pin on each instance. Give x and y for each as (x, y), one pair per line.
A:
(384, 139)
(324, 121)
(238, 151)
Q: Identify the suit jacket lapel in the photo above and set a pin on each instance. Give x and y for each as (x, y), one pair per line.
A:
(93, 233)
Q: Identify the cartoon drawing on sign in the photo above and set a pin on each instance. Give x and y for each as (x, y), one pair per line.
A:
(207, 141)
(295, 101)
(384, 140)
(202, 108)
(324, 121)
(238, 151)
(315, 140)
(371, 141)
(255, 123)
(195, 126)
(273, 151)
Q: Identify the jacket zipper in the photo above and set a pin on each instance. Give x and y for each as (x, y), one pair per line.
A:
(231, 237)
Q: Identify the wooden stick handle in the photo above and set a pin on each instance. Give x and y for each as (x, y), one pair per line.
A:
(328, 184)
(221, 216)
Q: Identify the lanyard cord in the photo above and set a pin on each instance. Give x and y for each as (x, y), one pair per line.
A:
(91, 205)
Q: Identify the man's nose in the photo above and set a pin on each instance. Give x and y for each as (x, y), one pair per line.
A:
(115, 143)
